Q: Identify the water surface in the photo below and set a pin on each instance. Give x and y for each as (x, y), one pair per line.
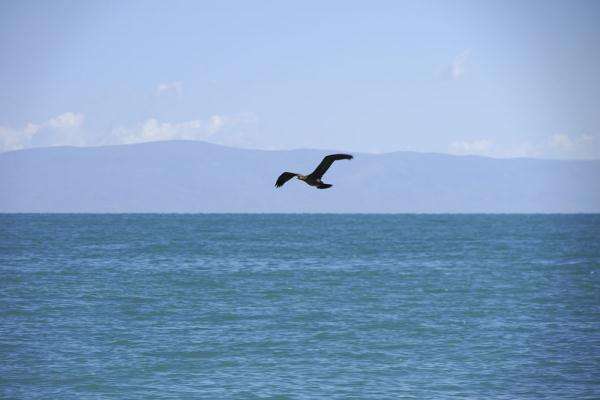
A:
(299, 306)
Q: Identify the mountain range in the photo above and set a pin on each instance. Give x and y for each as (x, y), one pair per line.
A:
(199, 177)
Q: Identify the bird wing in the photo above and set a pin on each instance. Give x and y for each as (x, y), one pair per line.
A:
(326, 163)
(283, 178)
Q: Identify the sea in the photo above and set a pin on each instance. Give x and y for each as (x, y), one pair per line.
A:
(299, 306)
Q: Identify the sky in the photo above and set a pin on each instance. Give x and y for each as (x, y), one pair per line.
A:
(500, 79)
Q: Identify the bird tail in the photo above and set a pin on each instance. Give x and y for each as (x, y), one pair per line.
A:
(324, 186)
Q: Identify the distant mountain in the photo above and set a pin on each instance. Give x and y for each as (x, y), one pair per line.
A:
(187, 176)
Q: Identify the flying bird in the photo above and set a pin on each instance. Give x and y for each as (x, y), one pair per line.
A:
(314, 178)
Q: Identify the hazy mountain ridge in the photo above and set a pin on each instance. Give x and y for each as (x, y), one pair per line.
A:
(185, 176)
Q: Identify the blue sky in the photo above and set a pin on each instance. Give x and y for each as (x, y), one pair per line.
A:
(503, 79)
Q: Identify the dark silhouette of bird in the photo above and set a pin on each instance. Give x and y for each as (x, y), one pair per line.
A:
(314, 178)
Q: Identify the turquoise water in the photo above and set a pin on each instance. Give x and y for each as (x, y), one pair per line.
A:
(299, 306)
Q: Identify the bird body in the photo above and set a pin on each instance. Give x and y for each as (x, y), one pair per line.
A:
(314, 178)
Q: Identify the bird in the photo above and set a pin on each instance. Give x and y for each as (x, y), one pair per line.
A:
(314, 178)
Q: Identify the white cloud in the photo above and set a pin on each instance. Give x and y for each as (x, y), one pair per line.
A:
(66, 120)
(457, 67)
(31, 128)
(554, 146)
(587, 139)
(59, 130)
(169, 87)
(582, 146)
(154, 130)
(561, 141)
(221, 129)
(11, 139)
(476, 147)
(66, 130)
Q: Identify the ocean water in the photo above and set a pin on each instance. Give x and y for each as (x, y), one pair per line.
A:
(299, 306)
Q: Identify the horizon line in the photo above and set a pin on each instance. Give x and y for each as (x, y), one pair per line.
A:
(293, 149)
(2, 213)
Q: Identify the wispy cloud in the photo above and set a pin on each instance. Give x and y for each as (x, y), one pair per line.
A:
(555, 146)
(153, 130)
(478, 147)
(169, 87)
(564, 142)
(217, 129)
(67, 129)
(66, 120)
(574, 146)
(457, 68)
(60, 130)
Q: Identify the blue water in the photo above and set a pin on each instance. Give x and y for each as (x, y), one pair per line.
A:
(299, 306)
